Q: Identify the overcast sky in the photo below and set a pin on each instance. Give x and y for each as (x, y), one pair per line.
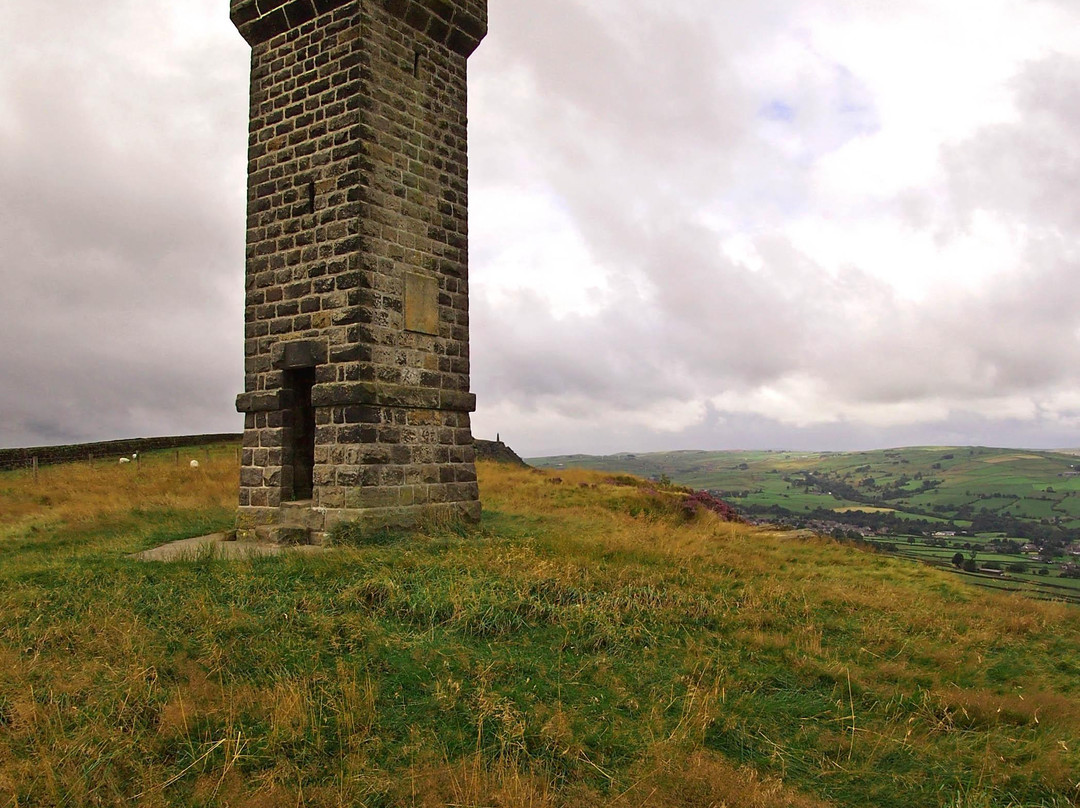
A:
(811, 224)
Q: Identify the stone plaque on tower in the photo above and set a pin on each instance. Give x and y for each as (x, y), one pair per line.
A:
(357, 402)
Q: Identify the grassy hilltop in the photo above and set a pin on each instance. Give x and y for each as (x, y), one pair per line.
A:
(594, 642)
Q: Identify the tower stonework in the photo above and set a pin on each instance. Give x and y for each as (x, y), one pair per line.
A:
(357, 402)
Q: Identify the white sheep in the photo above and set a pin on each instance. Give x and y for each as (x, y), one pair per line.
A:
(125, 460)
(194, 464)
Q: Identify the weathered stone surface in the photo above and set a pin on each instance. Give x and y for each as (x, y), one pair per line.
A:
(421, 304)
(259, 402)
(295, 354)
(357, 309)
(290, 535)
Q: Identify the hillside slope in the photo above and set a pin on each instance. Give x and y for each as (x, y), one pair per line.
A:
(594, 642)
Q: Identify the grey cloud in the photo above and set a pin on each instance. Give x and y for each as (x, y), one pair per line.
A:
(1029, 170)
(648, 81)
(121, 159)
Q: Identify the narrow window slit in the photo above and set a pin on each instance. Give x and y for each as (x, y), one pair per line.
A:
(311, 196)
(416, 65)
(299, 445)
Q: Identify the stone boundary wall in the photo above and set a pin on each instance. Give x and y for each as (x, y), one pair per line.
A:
(51, 455)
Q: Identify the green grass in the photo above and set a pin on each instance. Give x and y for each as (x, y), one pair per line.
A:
(587, 644)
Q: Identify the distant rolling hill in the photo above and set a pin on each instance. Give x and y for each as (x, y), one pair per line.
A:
(937, 483)
(1020, 508)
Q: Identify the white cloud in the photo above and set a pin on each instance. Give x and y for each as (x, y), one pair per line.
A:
(539, 251)
(915, 261)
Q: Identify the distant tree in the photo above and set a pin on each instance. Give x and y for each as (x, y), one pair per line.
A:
(1005, 546)
(970, 564)
(958, 560)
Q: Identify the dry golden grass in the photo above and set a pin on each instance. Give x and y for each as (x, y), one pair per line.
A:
(80, 492)
(591, 645)
(918, 630)
(668, 779)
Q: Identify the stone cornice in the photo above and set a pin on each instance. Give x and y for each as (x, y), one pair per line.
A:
(457, 24)
(363, 393)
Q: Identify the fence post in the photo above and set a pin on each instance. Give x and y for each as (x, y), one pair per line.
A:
(178, 458)
(35, 464)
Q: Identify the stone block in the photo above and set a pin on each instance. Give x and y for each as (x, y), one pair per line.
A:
(258, 402)
(328, 395)
(289, 535)
(298, 354)
(458, 402)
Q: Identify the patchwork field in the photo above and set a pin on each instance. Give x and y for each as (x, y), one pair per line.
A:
(596, 641)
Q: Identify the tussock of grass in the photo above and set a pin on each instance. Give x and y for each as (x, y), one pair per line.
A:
(591, 643)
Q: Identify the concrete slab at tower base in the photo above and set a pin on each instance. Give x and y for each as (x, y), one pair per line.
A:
(219, 546)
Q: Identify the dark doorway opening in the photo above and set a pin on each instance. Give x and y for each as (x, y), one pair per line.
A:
(300, 445)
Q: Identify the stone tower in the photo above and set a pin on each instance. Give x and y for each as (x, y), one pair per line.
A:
(357, 402)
